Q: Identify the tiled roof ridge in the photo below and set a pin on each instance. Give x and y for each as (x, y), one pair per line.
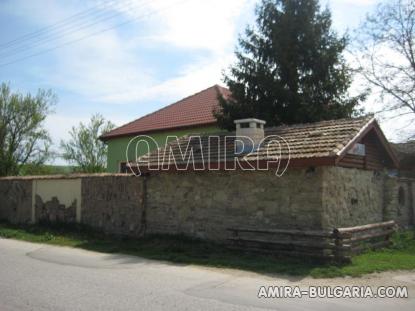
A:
(368, 118)
(178, 102)
(221, 89)
(217, 87)
(320, 123)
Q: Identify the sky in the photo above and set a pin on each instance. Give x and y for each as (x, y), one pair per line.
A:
(124, 59)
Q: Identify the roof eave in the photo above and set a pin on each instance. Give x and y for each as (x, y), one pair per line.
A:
(371, 124)
(363, 131)
(293, 163)
(105, 138)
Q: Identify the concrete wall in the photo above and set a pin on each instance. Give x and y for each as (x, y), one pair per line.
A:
(56, 200)
(205, 204)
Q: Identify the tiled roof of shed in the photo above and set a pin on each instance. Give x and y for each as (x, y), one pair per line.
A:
(301, 141)
(191, 111)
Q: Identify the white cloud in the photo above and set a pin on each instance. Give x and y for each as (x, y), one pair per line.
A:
(106, 68)
(199, 24)
(191, 80)
(99, 68)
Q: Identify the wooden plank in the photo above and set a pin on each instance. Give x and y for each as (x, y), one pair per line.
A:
(309, 233)
(386, 224)
(311, 244)
(370, 236)
(289, 253)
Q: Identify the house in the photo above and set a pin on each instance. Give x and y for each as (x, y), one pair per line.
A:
(193, 114)
(308, 179)
(353, 143)
(332, 174)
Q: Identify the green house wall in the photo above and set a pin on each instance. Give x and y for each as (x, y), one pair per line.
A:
(117, 147)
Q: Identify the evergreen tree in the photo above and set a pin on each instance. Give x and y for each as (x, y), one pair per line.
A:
(289, 69)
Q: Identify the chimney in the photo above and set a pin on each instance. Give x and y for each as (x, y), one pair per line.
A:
(252, 128)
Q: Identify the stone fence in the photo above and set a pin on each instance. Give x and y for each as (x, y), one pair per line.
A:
(206, 204)
(113, 203)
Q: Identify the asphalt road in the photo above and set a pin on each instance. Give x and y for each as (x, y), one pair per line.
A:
(41, 277)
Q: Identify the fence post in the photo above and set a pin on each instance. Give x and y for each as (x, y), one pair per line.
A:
(340, 255)
(388, 236)
(338, 245)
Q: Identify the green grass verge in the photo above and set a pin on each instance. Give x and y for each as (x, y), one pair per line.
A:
(184, 250)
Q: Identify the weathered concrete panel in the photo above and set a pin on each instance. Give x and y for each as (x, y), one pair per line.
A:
(56, 200)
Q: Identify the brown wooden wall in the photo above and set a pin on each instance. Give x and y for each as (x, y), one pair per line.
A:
(376, 157)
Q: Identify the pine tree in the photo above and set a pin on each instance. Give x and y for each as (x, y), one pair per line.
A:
(289, 69)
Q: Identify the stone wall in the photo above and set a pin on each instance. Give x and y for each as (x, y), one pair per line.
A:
(16, 200)
(352, 197)
(205, 204)
(399, 200)
(113, 204)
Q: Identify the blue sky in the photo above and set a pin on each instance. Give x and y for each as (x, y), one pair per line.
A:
(167, 49)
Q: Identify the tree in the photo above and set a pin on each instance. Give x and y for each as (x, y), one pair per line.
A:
(84, 148)
(386, 54)
(44, 169)
(23, 139)
(289, 69)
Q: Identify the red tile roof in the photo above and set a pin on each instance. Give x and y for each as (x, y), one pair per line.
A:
(191, 111)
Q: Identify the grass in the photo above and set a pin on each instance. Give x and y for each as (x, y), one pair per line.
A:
(185, 250)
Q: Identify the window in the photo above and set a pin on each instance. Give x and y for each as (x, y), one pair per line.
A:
(358, 149)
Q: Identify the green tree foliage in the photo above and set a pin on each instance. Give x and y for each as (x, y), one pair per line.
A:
(289, 69)
(30, 170)
(85, 149)
(23, 139)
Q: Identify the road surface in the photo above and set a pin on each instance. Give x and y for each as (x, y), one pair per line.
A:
(42, 277)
